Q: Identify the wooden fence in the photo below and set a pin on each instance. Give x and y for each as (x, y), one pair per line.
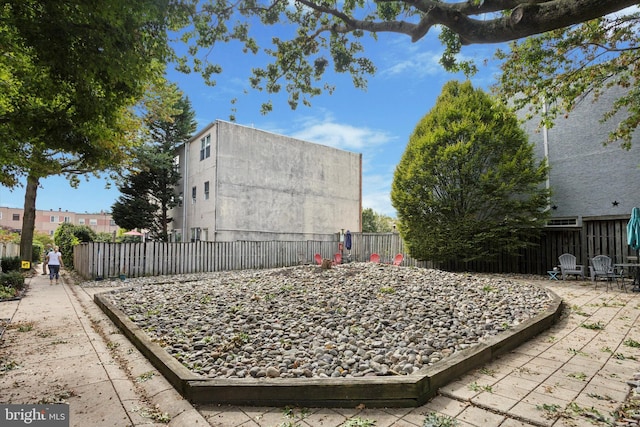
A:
(103, 260)
(595, 237)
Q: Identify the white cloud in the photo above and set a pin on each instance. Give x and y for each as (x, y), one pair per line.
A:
(327, 131)
(422, 64)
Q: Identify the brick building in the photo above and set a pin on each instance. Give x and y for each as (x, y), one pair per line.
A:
(47, 221)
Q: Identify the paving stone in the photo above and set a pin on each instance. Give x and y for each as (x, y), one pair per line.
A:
(480, 417)
(494, 401)
(324, 417)
(445, 406)
(529, 412)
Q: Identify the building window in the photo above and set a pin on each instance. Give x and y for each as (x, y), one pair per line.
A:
(195, 234)
(81, 221)
(206, 190)
(205, 147)
(53, 218)
(93, 222)
(193, 194)
(563, 222)
(112, 222)
(67, 219)
(16, 217)
(180, 199)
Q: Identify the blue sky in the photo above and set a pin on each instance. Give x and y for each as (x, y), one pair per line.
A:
(376, 122)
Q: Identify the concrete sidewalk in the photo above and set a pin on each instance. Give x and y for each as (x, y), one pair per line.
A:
(59, 347)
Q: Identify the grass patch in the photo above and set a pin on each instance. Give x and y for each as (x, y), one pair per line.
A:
(21, 326)
(145, 376)
(577, 310)
(577, 352)
(487, 371)
(358, 422)
(112, 345)
(8, 366)
(593, 326)
(578, 375)
(436, 420)
(621, 356)
(474, 386)
(548, 407)
(154, 414)
(294, 419)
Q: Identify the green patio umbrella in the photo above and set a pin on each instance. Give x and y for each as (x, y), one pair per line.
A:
(633, 240)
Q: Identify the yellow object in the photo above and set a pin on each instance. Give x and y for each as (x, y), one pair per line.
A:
(26, 265)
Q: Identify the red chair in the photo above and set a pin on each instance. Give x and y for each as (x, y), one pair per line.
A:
(337, 258)
(374, 258)
(318, 259)
(398, 259)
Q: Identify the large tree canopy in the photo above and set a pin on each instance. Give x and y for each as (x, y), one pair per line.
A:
(468, 185)
(332, 30)
(75, 70)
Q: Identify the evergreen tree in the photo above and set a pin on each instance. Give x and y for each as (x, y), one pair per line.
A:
(468, 185)
(148, 191)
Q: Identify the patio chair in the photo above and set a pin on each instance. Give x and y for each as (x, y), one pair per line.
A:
(568, 266)
(374, 258)
(398, 259)
(318, 259)
(602, 267)
(337, 258)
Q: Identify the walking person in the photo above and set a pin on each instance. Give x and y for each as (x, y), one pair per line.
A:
(54, 261)
(44, 261)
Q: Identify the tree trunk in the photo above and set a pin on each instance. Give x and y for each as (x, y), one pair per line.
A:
(29, 218)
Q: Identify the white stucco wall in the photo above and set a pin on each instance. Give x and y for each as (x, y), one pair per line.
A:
(265, 186)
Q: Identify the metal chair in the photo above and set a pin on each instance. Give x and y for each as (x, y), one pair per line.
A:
(602, 266)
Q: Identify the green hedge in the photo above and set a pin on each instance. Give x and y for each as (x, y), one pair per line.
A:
(8, 264)
(13, 279)
(11, 284)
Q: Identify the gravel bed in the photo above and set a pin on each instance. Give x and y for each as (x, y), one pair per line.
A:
(353, 320)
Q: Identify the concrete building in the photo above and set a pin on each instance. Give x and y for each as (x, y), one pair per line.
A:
(48, 221)
(589, 181)
(241, 183)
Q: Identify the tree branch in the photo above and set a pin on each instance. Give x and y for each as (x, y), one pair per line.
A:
(520, 18)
